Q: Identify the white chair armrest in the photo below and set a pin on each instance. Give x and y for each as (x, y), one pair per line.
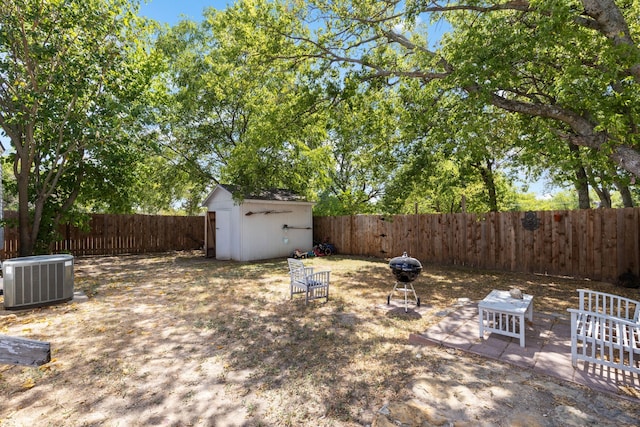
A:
(596, 316)
(320, 278)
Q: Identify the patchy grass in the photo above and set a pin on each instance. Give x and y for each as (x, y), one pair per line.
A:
(177, 339)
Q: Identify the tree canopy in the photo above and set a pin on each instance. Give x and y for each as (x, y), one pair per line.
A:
(238, 111)
(515, 85)
(573, 66)
(72, 80)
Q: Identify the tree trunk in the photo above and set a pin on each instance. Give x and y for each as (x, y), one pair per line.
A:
(584, 132)
(600, 188)
(21, 169)
(582, 180)
(604, 195)
(25, 247)
(582, 187)
(486, 172)
(609, 21)
(625, 193)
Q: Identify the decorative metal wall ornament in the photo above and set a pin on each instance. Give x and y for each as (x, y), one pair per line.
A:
(286, 227)
(530, 221)
(267, 212)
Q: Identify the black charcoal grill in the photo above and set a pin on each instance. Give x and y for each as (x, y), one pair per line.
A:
(405, 269)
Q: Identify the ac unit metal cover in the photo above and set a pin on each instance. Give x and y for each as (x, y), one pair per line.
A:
(37, 281)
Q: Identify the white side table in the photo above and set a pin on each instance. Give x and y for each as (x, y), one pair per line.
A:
(502, 314)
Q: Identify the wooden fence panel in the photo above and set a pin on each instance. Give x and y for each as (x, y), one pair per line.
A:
(118, 234)
(610, 246)
(503, 243)
(486, 249)
(446, 233)
(386, 228)
(441, 238)
(597, 234)
(627, 219)
(375, 238)
(346, 231)
(394, 226)
(457, 238)
(599, 244)
(633, 220)
(544, 243)
(559, 243)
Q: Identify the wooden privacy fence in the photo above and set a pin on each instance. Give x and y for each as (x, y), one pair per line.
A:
(120, 234)
(598, 244)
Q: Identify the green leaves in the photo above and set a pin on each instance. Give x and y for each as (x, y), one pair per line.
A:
(74, 76)
(244, 110)
(574, 66)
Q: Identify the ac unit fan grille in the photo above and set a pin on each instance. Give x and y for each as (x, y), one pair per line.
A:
(46, 283)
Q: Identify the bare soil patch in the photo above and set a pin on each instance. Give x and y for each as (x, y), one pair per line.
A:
(178, 339)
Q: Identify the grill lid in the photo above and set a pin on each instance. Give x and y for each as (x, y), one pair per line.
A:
(405, 268)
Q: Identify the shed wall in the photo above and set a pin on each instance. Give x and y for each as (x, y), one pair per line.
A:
(263, 234)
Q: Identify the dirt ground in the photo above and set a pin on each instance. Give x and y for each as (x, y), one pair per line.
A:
(179, 340)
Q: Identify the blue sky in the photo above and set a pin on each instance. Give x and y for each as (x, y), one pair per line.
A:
(172, 11)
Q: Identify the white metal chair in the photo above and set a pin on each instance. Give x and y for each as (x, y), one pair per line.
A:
(305, 281)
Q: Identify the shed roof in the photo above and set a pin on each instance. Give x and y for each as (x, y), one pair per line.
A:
(273, 194)
(276, 194)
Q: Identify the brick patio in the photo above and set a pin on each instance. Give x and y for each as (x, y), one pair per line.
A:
(547, 350)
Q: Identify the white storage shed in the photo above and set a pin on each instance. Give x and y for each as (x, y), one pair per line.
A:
(269, 224)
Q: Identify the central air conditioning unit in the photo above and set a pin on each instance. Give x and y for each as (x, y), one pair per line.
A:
(37, 281)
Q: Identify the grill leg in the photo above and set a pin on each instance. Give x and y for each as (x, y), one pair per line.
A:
(415, 297)
(393, 291)
(406, 298)
(406, 290)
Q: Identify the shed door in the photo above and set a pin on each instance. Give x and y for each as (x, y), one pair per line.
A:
(223, 234)
(210, 235)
